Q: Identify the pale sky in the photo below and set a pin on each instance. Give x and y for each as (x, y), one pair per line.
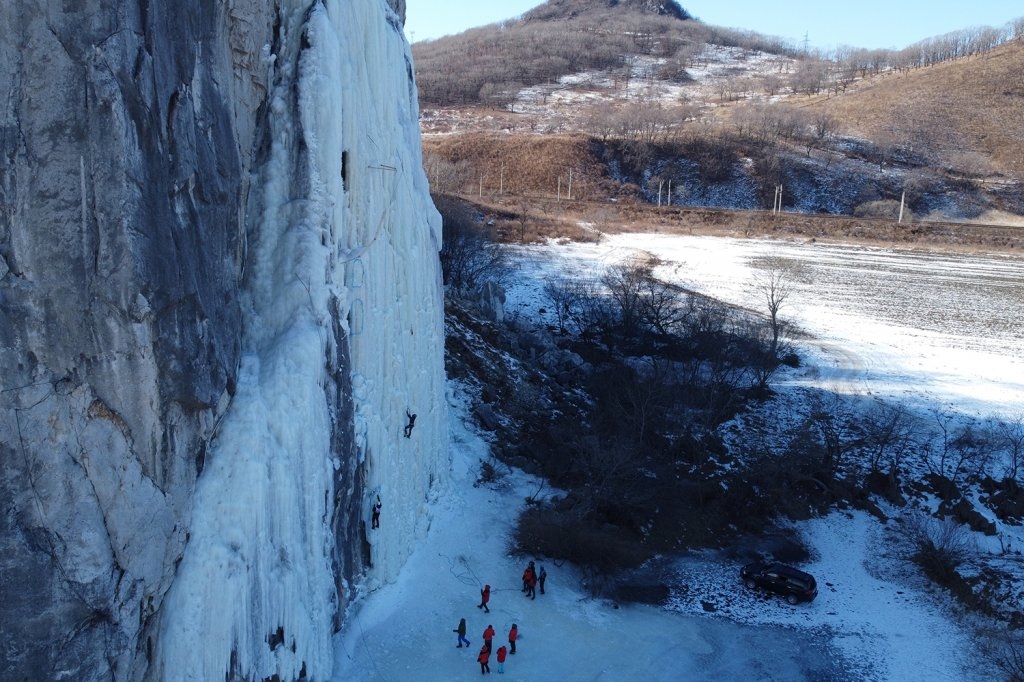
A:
(860, 23)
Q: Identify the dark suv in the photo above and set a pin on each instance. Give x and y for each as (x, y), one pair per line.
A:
(796, 586)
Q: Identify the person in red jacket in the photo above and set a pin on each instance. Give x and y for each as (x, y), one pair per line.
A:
(485, 596)
(488, 636)
(528, 576)
(513, 634)
(501, 659)
(485, 655)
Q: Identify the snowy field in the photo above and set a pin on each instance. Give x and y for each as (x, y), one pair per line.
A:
(933, 330)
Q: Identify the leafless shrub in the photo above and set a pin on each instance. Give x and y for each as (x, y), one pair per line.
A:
(581, 304)
(488, 473)
(889, 435)
(1009, 435)
(1011, 661)
(940, 546)
(570, 536)
(884, 208)
(469, 254)
(839, 431)
(624, 284)
(958, 450)
(446, 177)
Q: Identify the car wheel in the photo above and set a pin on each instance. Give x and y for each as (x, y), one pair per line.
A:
(750, 583)
(791, 598)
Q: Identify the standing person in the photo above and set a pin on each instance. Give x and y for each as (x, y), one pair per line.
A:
(501, 659)
(375, 521)
(531, 583)
(488, 636)
(527, 575)
(462, 633)
(541, 577)
(485, 655)
(513, 635)
(485, 596)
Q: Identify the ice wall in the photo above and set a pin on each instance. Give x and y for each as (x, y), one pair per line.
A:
(342, 266)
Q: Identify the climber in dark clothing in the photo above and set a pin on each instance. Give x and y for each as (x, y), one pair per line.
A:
(412, 423)
(375, 520)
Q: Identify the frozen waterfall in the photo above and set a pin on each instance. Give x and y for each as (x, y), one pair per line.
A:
(342, 253)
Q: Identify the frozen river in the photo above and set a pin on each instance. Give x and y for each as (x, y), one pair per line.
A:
(939, 327)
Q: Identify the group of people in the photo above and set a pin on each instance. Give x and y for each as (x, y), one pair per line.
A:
(484, 657)
(532, 578)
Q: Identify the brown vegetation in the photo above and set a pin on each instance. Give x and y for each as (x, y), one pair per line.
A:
(969, 111)
(947, 113)
(488, 65)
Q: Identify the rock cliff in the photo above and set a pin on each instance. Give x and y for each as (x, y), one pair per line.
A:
(132, 135)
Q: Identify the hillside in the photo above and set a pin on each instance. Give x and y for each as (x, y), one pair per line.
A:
(725, 117)
(969, 112)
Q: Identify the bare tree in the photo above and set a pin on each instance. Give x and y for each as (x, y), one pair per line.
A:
(523, 217)
(469, 254)
(625, 287)
(564, 296)
(640, 401)
(1011, 662)
(960, 449)
(1010, 436)
(601, 120)
(662, 307)
(838, 429)
(888, 436)
(446, 177)
(590, 311)
(824, 127)
(774, 284)
(810, 77)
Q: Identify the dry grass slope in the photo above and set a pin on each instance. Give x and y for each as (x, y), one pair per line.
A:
(967, 107)
(961, 120)
(529, 164)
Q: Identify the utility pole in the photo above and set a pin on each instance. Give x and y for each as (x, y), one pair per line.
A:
(570, 184)
(903, 198)
(501, 181)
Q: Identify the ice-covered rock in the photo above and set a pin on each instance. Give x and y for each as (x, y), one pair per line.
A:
(219, 293)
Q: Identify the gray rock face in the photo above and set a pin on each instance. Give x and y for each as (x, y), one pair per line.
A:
(127, 132)
(399, 7)
(490, 299)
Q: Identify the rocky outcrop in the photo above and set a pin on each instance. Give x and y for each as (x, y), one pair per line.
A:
(128, 134)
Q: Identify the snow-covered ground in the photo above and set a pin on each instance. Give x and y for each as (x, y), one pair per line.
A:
(931, 329)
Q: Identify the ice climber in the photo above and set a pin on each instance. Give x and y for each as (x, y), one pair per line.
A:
(375, 520)
(412, 423)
